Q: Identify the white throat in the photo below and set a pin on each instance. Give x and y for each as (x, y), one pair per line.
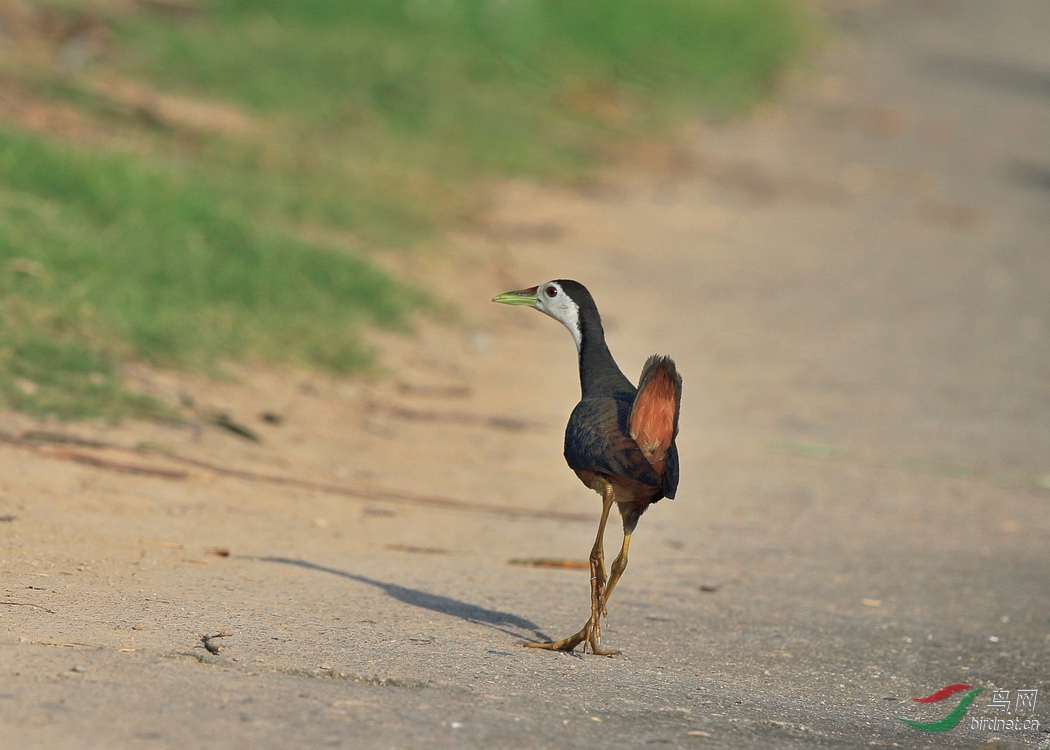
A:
(561, 308)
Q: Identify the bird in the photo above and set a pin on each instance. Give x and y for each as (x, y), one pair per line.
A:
(620, 439)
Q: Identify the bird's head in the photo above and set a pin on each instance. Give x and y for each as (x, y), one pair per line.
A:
(562, 299)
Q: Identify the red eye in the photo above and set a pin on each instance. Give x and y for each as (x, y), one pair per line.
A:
(552, 291)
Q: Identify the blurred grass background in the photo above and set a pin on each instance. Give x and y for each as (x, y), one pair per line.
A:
(167, 166)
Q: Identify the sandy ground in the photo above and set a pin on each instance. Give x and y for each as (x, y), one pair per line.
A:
(854, 284)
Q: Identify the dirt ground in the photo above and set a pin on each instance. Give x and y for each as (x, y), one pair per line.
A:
(854, 284)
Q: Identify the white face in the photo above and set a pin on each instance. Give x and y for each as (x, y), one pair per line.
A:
(552, 300)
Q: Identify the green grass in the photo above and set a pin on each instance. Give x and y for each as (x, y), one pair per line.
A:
(432, 65)
(397, 104)
(104, 257)
(378, 122)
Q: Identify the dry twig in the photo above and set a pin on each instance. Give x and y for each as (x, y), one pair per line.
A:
(28, 604)
(207, 640)
(549, 562)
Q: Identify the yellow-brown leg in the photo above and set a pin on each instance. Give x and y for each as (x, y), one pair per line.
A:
(591, 632)
(615, 571)
(617, 568)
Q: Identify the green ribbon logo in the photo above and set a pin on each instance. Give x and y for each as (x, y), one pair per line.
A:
(951, 719)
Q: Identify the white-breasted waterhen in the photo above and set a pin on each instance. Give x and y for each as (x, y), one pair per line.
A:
(619, 440)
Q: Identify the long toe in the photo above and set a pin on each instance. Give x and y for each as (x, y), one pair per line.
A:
(565, 644)
(594, 640)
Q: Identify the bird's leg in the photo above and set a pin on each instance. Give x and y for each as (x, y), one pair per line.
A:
(591, 632)
(598, 579)
(599, 591)
(615, 571)
(617, 568)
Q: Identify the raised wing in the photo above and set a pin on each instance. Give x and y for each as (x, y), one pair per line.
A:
(653, 421)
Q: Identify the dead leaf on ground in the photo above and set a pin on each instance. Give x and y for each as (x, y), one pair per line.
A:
(550, 562)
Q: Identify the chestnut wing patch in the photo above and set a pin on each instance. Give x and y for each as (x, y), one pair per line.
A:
(596, 439)
(653, 422)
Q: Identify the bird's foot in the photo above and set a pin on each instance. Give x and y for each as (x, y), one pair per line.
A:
(594, 637)
(590, 635)
(599, 651)
(565, 644)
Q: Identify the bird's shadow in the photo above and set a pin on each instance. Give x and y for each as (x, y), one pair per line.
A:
(501, 621)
